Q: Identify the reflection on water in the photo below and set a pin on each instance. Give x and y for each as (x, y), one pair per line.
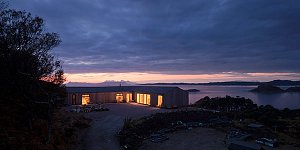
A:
(281, 100)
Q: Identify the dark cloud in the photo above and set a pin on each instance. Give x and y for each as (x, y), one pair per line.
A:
(173, 36)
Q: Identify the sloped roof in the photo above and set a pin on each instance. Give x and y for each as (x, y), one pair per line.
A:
(142, 89)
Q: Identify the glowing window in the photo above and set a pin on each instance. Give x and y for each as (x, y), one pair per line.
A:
(85, 99)
(142, 98)
(128, 97)
(148, 99)
(138, 98)
(159, 100)
(119, 97)
(145, 98)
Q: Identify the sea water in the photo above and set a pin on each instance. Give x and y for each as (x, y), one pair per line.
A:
(278, 100)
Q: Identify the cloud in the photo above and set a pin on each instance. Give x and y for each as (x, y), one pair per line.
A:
(173, 37)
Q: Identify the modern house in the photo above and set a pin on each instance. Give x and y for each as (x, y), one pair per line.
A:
(167, 97)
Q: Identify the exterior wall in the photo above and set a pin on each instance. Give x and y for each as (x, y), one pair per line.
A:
(68, 99)
(134, 94)
(180, 97)
(153, 101)
(167, 100)
(173, 98)
(183, 98)
(92, 97)
(107, 97)
(76, 101)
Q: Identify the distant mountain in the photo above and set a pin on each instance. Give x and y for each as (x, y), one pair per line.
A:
(242, 83)
(284, 83)
(210, 83)
(81, 84)
(105, 83)
(117, 83)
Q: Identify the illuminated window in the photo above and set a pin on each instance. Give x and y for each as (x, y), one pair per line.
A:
(159, 100)
(138, 98)
(143, 98)
(119, 97)
(148, 99)
(128, 97)
(85, 99)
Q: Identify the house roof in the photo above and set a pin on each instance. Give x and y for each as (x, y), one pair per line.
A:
(142, 89)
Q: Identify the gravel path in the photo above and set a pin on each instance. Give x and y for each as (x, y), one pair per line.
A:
(105, 125)
(195, 139)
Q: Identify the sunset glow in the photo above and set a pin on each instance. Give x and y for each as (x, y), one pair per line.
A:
(159, 77)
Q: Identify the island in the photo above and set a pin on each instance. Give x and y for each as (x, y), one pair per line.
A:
(293, 89)
(267, 88)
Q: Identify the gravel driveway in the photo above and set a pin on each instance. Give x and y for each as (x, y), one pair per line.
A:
(105, 125)
(195, 139)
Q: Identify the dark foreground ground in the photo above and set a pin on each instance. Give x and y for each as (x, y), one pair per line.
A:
(105, 126)
(102, 134)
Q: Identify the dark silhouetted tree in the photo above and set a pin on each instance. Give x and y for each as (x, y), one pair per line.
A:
(29, 72)
(25, 47)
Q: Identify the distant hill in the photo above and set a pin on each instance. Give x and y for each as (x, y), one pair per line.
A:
(284, 83)
(242, 83)
(105, 83)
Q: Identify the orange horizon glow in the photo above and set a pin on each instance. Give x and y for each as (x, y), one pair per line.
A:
(140, 77)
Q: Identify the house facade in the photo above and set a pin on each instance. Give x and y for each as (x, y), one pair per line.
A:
(156, 96)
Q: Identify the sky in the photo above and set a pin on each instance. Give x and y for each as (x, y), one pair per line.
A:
(173, 40)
